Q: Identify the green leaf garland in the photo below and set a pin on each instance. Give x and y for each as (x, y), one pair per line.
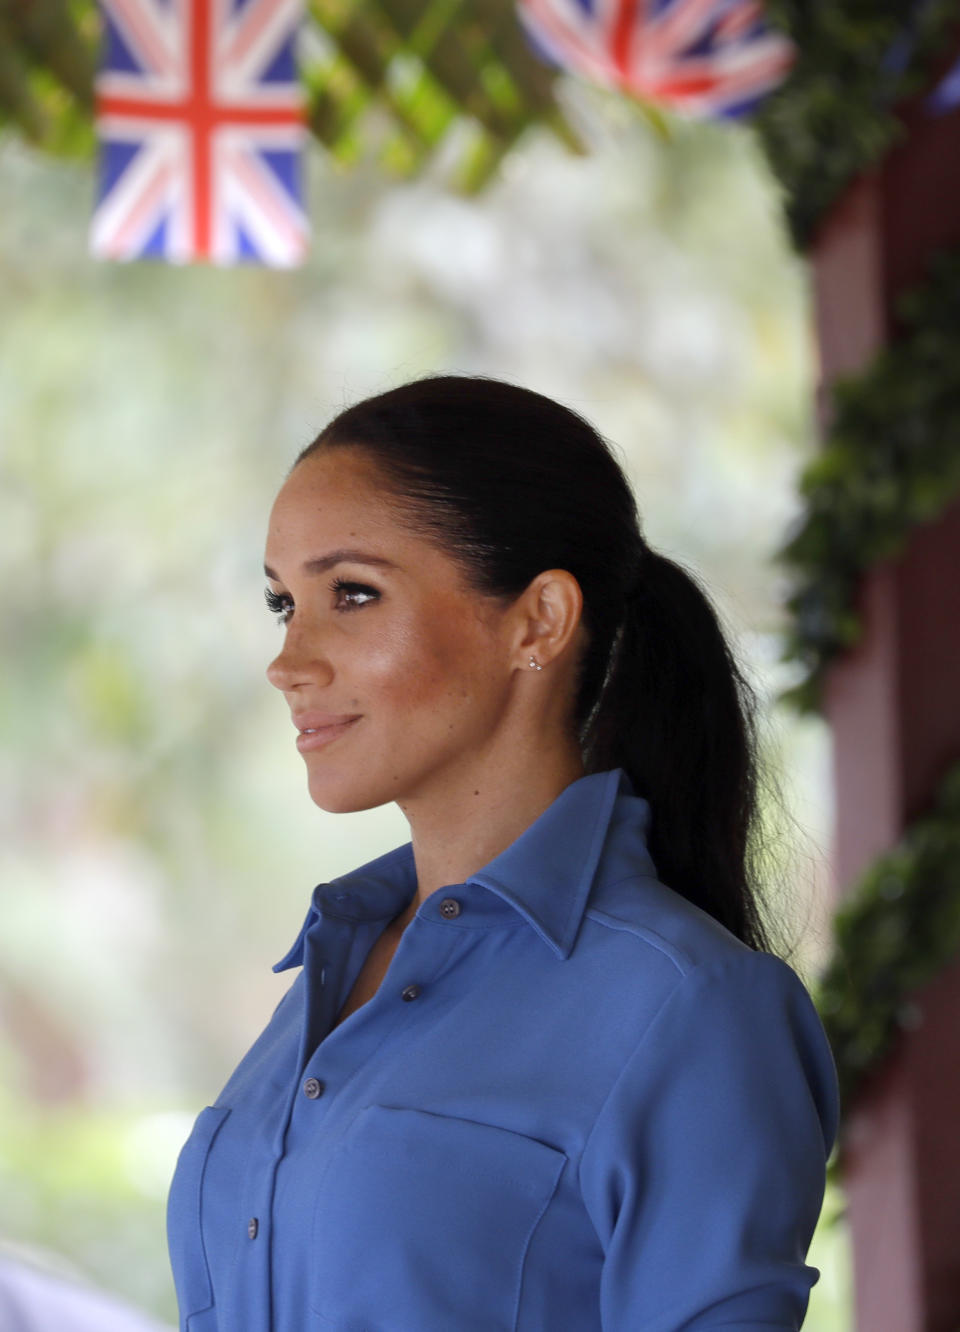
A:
(834, 116)
(895, 931)
(891, 461)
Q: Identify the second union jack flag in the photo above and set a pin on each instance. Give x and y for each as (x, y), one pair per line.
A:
(706, 58)
(200, 118)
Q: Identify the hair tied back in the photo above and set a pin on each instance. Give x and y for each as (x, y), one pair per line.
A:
(638, 589)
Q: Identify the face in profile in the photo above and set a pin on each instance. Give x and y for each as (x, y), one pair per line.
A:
(397, 676)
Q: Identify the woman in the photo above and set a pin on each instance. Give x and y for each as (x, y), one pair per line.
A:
(538, 1070)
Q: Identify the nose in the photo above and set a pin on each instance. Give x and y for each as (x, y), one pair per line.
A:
(296, 664)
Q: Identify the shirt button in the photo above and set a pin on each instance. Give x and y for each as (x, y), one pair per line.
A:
(410, 992)
(313, 1088)
(449, 907)
(253, 1225)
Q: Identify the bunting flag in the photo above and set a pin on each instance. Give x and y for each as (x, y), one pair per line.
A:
(705, 58)
(199, 112)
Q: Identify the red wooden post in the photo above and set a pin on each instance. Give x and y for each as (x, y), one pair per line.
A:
(893, 704)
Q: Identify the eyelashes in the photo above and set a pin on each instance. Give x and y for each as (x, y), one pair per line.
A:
(349, 589)
(281, 606)
(281, 603)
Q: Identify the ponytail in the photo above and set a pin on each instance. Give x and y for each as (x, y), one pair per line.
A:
(678, 715)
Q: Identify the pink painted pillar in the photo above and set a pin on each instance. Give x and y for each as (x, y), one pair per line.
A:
(893, 704)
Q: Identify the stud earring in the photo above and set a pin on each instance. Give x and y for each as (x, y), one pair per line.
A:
(535, 665)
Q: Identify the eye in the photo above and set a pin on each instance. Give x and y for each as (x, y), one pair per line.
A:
(279, 604)
(341, 585)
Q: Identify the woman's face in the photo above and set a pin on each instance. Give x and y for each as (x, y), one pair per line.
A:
(397, 676)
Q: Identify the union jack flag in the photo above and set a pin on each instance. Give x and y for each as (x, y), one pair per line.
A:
(200, 117)
(707, 58)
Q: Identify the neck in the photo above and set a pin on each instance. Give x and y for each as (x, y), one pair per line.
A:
(466, 819)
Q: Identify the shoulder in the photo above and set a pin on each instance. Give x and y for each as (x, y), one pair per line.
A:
(709, 1019)
(669, 962)
(652, 944)
(653, 919)
(684, 982)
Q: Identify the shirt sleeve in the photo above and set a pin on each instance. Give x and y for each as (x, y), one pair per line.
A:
(704, 1173)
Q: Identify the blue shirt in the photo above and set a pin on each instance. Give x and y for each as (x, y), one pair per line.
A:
(576, 1102)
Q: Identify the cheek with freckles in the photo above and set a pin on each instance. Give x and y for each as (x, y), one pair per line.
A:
(438, 671)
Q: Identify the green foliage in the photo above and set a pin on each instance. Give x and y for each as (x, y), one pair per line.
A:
(47, 61)
(397, 76)
(890, 462)
(835, 115)
(898, 928)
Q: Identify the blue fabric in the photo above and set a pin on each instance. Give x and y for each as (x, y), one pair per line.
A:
(601, 1110)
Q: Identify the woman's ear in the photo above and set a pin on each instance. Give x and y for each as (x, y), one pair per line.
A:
(550, 608)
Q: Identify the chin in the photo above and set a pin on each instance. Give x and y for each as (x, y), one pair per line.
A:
(343, 795)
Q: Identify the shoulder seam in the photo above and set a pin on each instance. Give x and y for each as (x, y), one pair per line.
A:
(680, 959)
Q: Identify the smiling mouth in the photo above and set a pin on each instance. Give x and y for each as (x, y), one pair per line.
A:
(320, 736)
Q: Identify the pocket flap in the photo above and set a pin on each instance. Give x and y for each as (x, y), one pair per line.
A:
(188, 1256)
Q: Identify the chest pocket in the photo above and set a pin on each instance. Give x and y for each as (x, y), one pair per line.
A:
(188, 1257)
(423, 1221)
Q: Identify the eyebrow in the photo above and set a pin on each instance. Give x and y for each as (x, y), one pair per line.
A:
(321, 563)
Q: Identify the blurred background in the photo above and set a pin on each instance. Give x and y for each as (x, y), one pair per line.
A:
(158, 844)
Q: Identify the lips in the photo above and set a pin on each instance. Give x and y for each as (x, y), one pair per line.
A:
(318, 729)
(317, 721)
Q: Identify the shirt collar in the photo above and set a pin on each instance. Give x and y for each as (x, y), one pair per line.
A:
(546, 873)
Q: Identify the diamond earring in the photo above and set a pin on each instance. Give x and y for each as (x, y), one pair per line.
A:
(535, 665)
